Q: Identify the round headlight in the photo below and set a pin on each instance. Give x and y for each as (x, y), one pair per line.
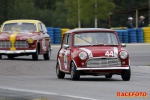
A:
(30, 40)
(82, 55)
(123, 54)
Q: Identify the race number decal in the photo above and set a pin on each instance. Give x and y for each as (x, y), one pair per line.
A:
(109, 53)
(65, 60)
(43, 45)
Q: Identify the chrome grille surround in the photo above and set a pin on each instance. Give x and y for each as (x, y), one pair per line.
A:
(21, 44)
(99, 62)
(5, 44)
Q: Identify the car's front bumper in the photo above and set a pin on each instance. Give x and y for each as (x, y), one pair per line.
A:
(104, 68)
(16, 51)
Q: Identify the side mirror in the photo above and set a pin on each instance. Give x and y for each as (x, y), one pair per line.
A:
(65, 46)
(123, 45)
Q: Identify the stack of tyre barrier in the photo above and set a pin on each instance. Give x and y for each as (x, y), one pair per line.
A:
(63, 30)
(125, 36)
(50, 32)
(57, 35)
(119, 34)
(139, 33)
(146, 34)
(132, 35)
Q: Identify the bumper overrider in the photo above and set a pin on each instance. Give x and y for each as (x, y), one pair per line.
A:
(16, 51)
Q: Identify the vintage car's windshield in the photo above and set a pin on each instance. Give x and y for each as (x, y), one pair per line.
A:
(19, 27)
(96, 38)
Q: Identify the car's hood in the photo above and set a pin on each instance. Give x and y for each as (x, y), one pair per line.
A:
(6, 35)
(100, 51)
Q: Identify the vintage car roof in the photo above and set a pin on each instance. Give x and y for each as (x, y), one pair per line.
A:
(88, 29)
(27, 21)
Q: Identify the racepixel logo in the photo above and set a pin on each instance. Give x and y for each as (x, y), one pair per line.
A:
(132, 94)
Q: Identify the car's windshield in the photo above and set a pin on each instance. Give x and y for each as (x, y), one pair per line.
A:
(19, 27)
(97, 38)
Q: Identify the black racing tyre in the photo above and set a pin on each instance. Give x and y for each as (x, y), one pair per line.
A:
(47, 55)
(10, 56)
(59, 73)
(108, 76)
(0, 56)
(75, 74)
(126, 74)
(35, 55)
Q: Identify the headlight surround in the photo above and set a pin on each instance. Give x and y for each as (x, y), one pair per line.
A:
(123, 54)
(30, 40)
(82, 55)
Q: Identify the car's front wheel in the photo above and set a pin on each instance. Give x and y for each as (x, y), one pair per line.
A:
(75, 75)
(126, 74)
(59, 73)
(0, 56)
(35, 55)
(10, 56)
(47, 55)
(108, 76)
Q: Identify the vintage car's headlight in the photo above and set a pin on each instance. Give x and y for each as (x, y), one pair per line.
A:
(82, 55)
(30, 40)
(123, 54)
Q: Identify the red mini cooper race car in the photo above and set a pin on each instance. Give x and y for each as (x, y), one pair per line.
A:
(24, 37)
(92, 51)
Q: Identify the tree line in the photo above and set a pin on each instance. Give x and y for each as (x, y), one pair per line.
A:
(66, 13)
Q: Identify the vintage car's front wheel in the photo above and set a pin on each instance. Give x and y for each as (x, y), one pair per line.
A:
(59, 73)
(47, 56)
(10, 56)
(35, 55)
(108, 76)
(126, 74)
(75, 75)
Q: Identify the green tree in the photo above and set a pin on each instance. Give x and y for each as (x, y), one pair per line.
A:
(72, 12)
(59, 15)
(22, 9)
(88, 10)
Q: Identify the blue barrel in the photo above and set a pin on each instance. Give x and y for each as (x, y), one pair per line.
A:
(139, 33)
(57, 35)
(119, 32)
(132, 36)
(125, 36)
(50, 32)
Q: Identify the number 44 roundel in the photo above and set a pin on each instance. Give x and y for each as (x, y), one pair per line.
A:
(109, 53)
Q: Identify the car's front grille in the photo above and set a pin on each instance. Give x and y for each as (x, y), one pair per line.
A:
(18, 44)
(103, 62)
(21, 44)
(5, 44)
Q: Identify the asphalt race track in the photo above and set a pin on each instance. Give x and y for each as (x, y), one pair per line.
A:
(24, 79)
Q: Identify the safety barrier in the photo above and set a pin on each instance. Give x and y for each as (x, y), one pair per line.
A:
(135, 35)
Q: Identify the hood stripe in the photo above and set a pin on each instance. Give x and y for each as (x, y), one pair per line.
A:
(88, 51)
(12, 40)
(115, 52)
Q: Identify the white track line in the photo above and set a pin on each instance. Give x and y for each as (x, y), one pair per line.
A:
(43, 92)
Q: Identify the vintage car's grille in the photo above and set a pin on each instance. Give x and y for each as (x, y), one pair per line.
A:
(5, 44)
(103, 62)
(18, 44)
(21, 44)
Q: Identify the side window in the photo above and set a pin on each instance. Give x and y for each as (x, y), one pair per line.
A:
(40, 26)
(69, 40)
(65, 39)
(44, 28)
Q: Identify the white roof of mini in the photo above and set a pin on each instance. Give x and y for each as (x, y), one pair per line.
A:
(88, 29)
